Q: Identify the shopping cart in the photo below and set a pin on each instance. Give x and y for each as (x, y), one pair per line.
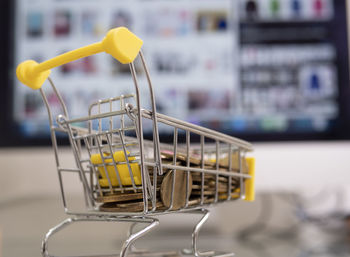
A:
(128, 178)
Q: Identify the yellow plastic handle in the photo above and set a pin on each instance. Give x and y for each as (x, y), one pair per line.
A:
(122, 44)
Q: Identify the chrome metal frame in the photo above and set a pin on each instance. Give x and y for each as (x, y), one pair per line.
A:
(97, 137)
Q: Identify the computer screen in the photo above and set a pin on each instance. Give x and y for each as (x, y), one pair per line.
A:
(261, 70)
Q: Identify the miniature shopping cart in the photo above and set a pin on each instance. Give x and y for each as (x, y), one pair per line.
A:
(127, 177)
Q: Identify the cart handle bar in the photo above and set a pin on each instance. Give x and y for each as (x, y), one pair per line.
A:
(119, 42)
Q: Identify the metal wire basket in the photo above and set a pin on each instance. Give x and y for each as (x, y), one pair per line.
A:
(128, 178)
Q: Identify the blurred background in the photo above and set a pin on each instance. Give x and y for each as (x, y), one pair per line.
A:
(274, 72)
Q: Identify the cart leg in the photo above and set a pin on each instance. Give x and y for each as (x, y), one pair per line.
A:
(151, 223)
(194, 251)
(52, 231)
(132, 248)
(135, 252)
(134, 236)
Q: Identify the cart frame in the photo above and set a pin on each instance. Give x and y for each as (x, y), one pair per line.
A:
(111, 138)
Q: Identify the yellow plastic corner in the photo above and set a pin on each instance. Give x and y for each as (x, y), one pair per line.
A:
(250, 183)
(26, 74)
(122, 44)
(122, 169)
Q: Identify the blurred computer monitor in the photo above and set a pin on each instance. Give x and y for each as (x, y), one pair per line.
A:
(260, 70)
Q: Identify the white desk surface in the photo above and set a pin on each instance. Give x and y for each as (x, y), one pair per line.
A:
(279, 167)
